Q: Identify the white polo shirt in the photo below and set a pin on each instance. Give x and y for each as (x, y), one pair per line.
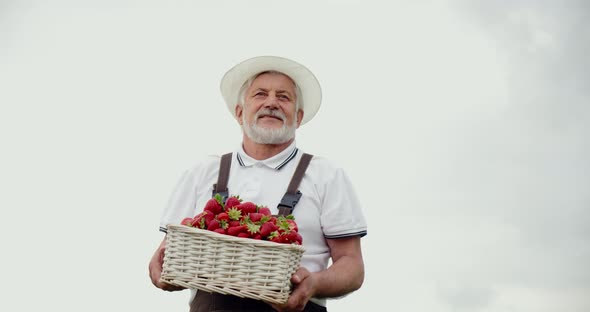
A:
(328, 208)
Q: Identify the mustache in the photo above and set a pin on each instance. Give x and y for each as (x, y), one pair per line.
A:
(270, 112)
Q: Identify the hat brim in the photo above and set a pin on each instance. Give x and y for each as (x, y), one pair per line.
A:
(234, 78)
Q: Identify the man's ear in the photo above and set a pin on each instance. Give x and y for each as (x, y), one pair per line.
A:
(239, 112)
(299, 117)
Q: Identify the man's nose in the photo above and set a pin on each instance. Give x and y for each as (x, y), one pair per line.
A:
(272, 102)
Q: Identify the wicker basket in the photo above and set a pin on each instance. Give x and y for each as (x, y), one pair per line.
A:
(243, 267)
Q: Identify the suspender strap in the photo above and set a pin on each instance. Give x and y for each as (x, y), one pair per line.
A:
(293, 195)
(221, 185)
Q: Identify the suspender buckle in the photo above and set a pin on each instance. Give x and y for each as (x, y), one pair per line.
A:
(288, 202)
(224, 194)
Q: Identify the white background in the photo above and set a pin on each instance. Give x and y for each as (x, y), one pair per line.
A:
(464, 126)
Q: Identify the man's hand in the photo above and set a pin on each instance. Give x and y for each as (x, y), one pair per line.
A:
(304, 286)
(155, 268)
(345, 275)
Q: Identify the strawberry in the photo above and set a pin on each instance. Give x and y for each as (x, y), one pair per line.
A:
(214, 205)
(299, 239)
(292, 225)
(202, 220)
(274, 236)
(233, 223)
(283, 225)
(187, 221)
(208, 218)
(232, 202)
(265, 211)
(223, 224)
(219, 230)
(234, 213)
(267, 228)
(213, 225)
(247, 207)
(223, 216)
(291, 237)
(245, 219)
(235, 230)
(244, 234)
(253, 228)
(199, 216)
(255, 216)
(277, 239)
(199, 223)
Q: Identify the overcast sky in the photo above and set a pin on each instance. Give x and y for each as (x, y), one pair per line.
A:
(464, 126)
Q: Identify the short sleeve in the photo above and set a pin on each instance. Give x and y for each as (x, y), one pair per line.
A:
(181, 203)
(341, 212)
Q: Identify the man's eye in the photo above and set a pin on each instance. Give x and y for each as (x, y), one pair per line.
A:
(283, 97)
(259, 94)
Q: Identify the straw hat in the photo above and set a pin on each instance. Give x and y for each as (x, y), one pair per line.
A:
(311, 91)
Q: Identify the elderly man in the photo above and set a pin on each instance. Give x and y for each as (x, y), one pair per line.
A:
(271, 97)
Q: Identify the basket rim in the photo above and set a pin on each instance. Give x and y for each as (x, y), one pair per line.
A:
(234, 239)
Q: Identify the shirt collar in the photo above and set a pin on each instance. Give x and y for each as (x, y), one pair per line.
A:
(277, 161)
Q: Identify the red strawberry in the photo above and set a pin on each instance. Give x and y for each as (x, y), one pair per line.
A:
(202, 219)
(253, 228)
(265, 211)
(208, 218)
(257, 236)
(291, 237)
(235, 230)
(222, 216)
(200, 215)
(234, 213)
(292, 225)
(267, 228)
(244, 234)
(219, 230)
(283, 224)
(274, 237)
(187, 221)
(298, 239)
(223, 224)
(213, 225)
(255, 216)
(232, 202)
(214, 205)
(199, 223)
(247, 207)
(233, 223)
(277, 239)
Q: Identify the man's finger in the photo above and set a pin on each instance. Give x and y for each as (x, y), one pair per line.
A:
(168, 287)
(299, 276)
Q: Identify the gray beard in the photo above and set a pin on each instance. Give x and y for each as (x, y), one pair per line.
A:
(263, 135)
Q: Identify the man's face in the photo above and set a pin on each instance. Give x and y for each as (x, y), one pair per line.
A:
(268, 114)
(274, 92)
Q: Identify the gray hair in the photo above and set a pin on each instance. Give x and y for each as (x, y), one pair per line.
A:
(248, 84)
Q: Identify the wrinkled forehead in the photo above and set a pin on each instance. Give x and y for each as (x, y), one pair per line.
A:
(278, 76)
